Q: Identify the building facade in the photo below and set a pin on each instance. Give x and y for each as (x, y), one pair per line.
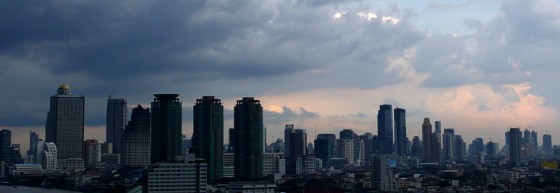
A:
(400, 132)
(385, 128)
(188, 176)
(514, 146)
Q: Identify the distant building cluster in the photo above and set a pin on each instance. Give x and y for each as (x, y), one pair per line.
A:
(150, 152)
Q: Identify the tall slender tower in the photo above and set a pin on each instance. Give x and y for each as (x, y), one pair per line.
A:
(514, 146)
(400, 132)
(65, 124)
(385, 129)
(249, 149)
(448, 143)
(427, 139)
(208, 135)
(5, 145)
(135, 147)
(116, 122)
(547, 144)
(166, 128)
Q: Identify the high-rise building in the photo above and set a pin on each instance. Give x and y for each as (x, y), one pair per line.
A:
(135, 146)
(116, 122)
(359, 152)
(534, 141)
(400, 132)
(48, 156)
(547, 144)
(367, 138)
(5, 145)
(65, 125)
(288, 129)
(345, 149)
(231, 140)
(437, 141)
(385, 128)
(458, 148)
(448, 136)
(92, 153)
(324, 147)
(297, 148)
(166, 128)
(416, 147)
(383, 179)
(491, 150)
(427, 140)
(514, 146)
(347, 134)
(208, 135)
(248, 125)
(478, 145)
(33, 141)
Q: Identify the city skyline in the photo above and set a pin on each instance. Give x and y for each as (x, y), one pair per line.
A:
(347, 57)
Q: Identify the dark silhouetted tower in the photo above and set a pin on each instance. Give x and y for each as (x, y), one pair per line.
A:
(208, 135)
(385, 129)
(249, 149)
(166, 128)
(400, 132)
(116, 122)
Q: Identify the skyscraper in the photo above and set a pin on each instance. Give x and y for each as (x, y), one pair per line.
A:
(297, 148)
(347, 134)
(416, 147)
(166, 128)
(547, 144)
(248, 125)
(427, 140)
(478, 145)
(288, 129)
(33, 142)
(448, 136)
(324, 147)
(437, 141)
(458, 148)
(92, 153)
(514, 146)
(400, 132)
(5, 145)
(208, 135)
(65, 124)
(135, 147)
(385, 129)
(116, 122)
(383, 179)
(535, 141)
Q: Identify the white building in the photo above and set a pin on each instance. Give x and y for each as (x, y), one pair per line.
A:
(26, 169)
(383, 179)
(345, 149)
(273, 163)
(251, 187)
(47, 155)
(187, 176)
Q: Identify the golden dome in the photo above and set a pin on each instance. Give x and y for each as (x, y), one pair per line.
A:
(64, 86)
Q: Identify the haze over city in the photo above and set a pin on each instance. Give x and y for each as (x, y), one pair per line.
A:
(478, 66)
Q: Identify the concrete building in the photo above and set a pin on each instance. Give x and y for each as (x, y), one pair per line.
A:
(514, 139)
(383, 179)
(92, 153)
(115, 122)
(48, 155)
(345, 149)
(400, 132)
(547, 144)
(229, 166)
(188, 176)
(65, 124)
(324, 147)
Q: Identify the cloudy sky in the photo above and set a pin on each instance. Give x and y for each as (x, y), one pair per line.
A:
(478, 66)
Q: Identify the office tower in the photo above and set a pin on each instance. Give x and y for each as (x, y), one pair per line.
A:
(347, 134)
(65, 124)
(385, 129)
(135, 147)
(491, 150)
(438, 129)
(427, 140)
(166, 128)
(383, 179)
(514, 146)
(345, 149)
(297, 148)
(435, 147)
(416, 147)
(92, 153)
(33, 140)
(107, 148)
(400, 132)
(534, 141)
(48, 155)
(458, 148)
(288, 129)
(116, 122)
(208, 135)
(324, 147)
(478, 145)
(375, 144)
(547, 144)
(359, 152)
(5, 145)
(248, 125)
(448, 136)
(188, 176)
(310, 149)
